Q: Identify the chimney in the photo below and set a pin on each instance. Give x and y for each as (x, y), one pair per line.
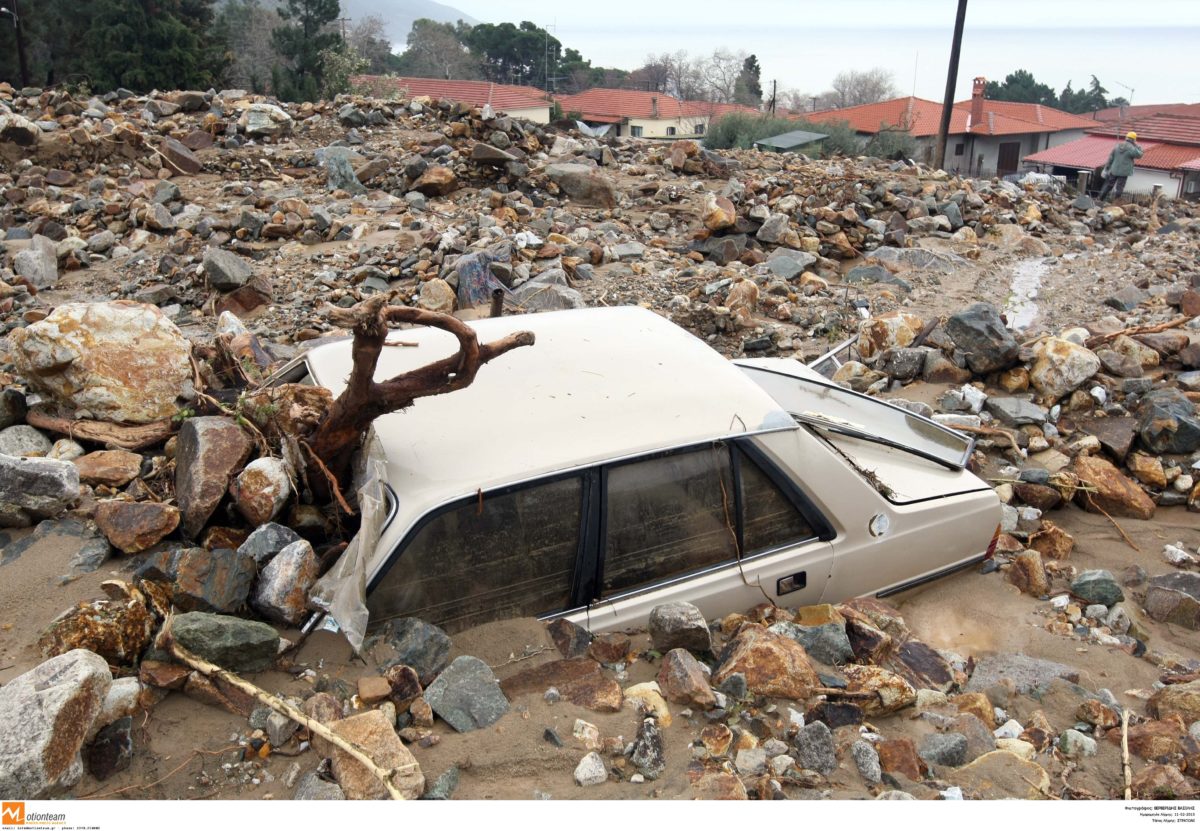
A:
(977, 99)
(653, 106)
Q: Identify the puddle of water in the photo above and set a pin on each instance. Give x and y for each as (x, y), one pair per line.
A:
(1022, 308)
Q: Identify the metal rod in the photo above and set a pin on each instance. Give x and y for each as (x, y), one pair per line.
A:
(497, 303)
(939, 156)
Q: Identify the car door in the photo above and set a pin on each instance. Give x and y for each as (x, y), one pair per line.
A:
(712, 526)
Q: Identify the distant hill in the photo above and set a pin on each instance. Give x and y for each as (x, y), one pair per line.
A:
(400, 14)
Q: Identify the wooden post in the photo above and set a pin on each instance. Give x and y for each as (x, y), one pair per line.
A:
(939, 156)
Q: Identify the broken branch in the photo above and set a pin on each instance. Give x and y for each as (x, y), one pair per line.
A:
(1144, 329)
(124, 436)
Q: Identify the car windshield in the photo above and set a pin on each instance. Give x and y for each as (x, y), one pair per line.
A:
(830, 407)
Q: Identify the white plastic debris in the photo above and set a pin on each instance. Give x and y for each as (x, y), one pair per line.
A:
(1177, 556)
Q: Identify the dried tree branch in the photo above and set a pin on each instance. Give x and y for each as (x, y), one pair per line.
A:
(124, 436)
(1145, 329)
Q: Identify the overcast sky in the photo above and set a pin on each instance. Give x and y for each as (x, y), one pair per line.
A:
(1149, 45)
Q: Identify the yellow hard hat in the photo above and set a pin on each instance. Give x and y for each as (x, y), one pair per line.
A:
(1131, 135)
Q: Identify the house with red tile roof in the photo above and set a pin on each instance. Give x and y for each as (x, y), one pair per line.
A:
(986, 138)
(1170, 160)
(637, 113)
(518, 101)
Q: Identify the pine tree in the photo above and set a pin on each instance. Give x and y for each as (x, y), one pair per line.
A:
(301, 40)
(748, 89)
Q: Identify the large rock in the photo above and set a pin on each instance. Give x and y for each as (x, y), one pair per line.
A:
(16, 129)
(376, 736)
(1182, 700)
(583, 184)
(1002, 775)
(211, 581)
(1097, 586)
(579, 680)
(281, 594)
(679, 625)
(814, 748)
(1175, 598)
(36, 488)
(261, 490)
(210, 450)
(467, 695)
(115, 361)
(648, 750)
(38, 263)
(1015, 411)
(980, 334)
(225, 270)
(117, 628)
(23, 440)
(683, 681)
(826, 642)
(420, 645)
(135, 526)
(773, 664)
(265, 120)
(892, 330)
(229, 642)
(436, 181)
(892, 691)
(266, 541)
(1116, 433)
(1026, 675)
(180, 158)
(1112, 493)
(46, 714)
(340, 175)
(1167, 422)
(114, 468)
(1061, 366)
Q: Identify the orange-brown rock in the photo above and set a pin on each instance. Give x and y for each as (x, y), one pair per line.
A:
(891, 690)
(900, 756)
(372, 689)
(117, 628)
(611, 648)
(217, 693)
(719, 213)
(1052, 542)
(1161, 782)
(436, 181)
(405, 685)
(1038, 731)
(774, 665)
(1155, 741)
(372, 732)
(683, 681)
(1113, 492)
(1145, 468)
(135, 526)
(114, 468)
(1028, 574)
(724, 786)
(162, 674)
(579, 680)
(891, 330)
(717, 739)
(978, 705)
(1098, 713)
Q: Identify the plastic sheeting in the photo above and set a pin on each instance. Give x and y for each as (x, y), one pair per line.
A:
(342, 592)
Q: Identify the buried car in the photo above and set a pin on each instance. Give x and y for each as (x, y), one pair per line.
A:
(620, 463)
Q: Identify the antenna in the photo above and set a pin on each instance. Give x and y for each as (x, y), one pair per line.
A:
(1118, 83)
(916, 60)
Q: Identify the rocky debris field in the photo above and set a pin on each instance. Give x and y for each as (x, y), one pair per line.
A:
(161, 255)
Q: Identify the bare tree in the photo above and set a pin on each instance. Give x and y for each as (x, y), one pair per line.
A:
(854, 87)
(721, 72)
(369, 39)
(436, 51)
(247, 26)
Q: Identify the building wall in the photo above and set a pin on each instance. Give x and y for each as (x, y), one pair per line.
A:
(538, 115)
(658, 127)
(1144, 179)
(1061, 137)
(1194, 180)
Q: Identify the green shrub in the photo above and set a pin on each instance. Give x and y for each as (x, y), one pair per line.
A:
(890, 143)
(741, 130)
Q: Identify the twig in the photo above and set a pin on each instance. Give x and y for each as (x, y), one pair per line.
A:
(525, 657)
(186, 762)
(1144, 329)
(329, 477)
(280, 706)
(1125, 753)
(1120, 530)
(837, 692)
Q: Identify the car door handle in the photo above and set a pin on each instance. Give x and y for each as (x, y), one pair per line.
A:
(791, 583)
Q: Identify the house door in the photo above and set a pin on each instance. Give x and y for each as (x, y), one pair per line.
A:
(1010, 155)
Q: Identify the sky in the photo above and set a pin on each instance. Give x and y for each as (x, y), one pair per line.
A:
(1147, 46)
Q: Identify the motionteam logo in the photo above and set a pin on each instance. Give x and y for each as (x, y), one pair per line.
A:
(13, 813)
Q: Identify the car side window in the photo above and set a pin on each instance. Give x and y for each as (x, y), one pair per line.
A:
(667, 516)
(770, 519)
(502, 556)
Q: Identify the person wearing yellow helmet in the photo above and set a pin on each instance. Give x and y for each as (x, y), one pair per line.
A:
(1119, 166)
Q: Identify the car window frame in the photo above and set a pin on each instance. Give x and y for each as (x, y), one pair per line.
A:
(587, 577)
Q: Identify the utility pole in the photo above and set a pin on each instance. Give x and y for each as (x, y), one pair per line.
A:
(19, 34)
(773, 87)
(939, 154)
(344, 21)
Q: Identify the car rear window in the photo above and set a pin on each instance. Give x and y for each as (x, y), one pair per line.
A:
(667, 516)
(501, 556)
(770, 519)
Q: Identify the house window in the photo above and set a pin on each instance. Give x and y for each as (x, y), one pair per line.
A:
(635, 131)
(668, 516)
(700, 128)
(670, 131)
(499, 556)
(960, 148)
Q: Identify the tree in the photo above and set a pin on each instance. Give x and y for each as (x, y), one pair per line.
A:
(1083, 100)
(748, 89)
(722, 72)
(1021, 86)
(437, 50)
(524, 54)
(306, 33)
(246, 26)
(852, 88)
(368, 38)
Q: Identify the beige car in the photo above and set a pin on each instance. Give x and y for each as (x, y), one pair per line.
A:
(620, 463)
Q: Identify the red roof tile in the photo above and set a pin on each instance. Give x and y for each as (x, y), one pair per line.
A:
(1177, 129)
(1091, 152)
(922, 116)
(1123, 114)
(1034, 113)
(607, 105)
(502, 97)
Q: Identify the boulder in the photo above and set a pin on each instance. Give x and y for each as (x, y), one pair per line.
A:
(265, 120)
(1181, 700)
(38, 263)
(1167, 422)
(1175, 598)
(111, 751)
(36, 488)
(980, 334)
(773, 664)
(179, 158)
(1015, 411)
(115, 361)
(892, 691)
(210, 581)
(313, 787)
(225, 270)
(281, 594)
(467, 695)
(16, 129)
(114, 468)
(23, 440)
(436, 181)
(266, 541)
(583, 184)
(1161, 782)
(117, 628)
(209, 451)
(231, 643)
(1028, 574)
(826, 642)
(415, 643)
(814, 748)
(891, 330)
(1114, 493)
(135, 526)
(648, 752)
(944, 749)
(1097, 586)
(683, 681)
(1060, 367)
(591, 770)
(679, 625)
(261, 490)
(437, 296)
(1002, 775)
(47, 713)
(376, 736)
(340, 175)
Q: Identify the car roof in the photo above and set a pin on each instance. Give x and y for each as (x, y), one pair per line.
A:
(598, 384)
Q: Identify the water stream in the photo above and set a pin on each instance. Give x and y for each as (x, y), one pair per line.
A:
(1022, 308)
